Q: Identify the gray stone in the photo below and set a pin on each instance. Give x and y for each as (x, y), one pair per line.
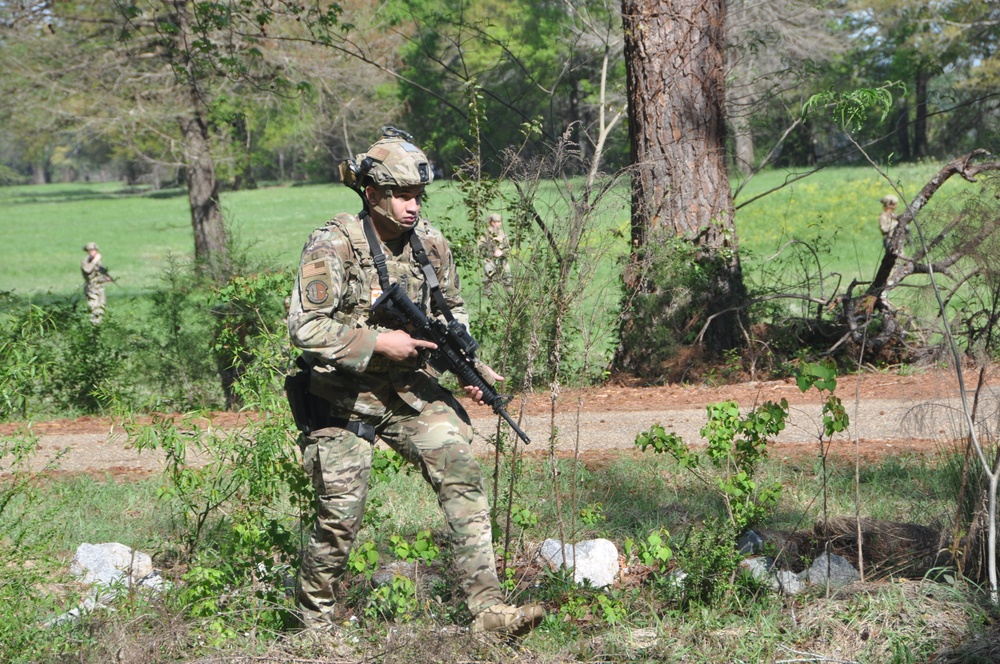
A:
(594, 561)
(750, 542)
(832, 567)
(759, 568)
(787, 582)
(782, 581)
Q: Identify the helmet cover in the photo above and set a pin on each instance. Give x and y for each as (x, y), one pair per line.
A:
(396, 163)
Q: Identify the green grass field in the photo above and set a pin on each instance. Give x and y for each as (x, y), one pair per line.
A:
(840, 205)
(45, 227)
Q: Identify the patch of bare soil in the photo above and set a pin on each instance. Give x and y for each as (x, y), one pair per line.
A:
(93, 440)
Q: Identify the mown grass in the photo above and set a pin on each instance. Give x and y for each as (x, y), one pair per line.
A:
(140, 232)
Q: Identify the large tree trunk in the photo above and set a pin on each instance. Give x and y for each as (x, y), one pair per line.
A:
(39, 173)
(203, 187)
(675, 67)
(203, 196)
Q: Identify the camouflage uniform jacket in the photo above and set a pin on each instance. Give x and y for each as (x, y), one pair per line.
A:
(887, 222)
(492, 240)
(330, 320)
(94, 273)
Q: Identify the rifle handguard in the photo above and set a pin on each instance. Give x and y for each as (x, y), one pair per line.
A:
(455, 348)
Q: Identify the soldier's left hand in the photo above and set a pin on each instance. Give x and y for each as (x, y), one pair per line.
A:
(475, 393)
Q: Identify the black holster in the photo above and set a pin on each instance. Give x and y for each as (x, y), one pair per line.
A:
(312, 412)
(309, 411)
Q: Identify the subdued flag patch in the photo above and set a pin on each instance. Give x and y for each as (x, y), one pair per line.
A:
(312, 269)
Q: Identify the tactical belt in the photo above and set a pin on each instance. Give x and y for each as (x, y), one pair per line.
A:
(359, 429)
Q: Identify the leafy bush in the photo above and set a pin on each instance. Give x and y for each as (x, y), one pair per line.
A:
(736, 447)
(25, 366)
(250, 341)
(88, 375)
(395, 601)
(709, 561)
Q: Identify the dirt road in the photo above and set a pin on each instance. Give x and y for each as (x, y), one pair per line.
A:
(889, 414)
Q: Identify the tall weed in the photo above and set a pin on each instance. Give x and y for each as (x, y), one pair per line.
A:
(27, 565)
(25, 365)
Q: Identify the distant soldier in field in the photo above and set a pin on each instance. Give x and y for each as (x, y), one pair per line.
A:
(888, 220)
(95, 275)
(493, 249)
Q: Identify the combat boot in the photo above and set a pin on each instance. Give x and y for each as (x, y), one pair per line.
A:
(508, 620)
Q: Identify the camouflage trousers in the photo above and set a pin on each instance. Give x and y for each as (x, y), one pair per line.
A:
(437, 441)
(96, 300)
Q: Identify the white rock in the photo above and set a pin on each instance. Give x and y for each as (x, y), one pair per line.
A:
(109, 564)
(108, 569)
(595, 561)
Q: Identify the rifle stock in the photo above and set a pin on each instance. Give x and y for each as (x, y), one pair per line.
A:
(455, 348)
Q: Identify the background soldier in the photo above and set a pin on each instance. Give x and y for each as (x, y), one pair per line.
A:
(493, 248)
(95, 275)
(374, 382)
(887, 221)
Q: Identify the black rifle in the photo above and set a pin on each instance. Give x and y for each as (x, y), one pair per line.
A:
(456, 349)
(103, 271)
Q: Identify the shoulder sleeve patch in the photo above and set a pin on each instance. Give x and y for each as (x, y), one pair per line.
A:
(317, 285)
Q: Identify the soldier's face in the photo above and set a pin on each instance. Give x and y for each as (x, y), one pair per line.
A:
(405, 205)
(396, 212)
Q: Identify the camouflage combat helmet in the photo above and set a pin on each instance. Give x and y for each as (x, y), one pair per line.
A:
(889, 199)
(90, 246)
(397, 162)
(391, 164)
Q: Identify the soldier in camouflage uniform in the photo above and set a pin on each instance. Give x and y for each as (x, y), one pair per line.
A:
(94, 277)
(376, 382)
(888, 222)
(493, 248)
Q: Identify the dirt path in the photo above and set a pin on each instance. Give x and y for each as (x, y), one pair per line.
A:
(889, 414)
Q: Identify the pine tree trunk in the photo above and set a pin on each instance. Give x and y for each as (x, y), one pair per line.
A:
(675, 67)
